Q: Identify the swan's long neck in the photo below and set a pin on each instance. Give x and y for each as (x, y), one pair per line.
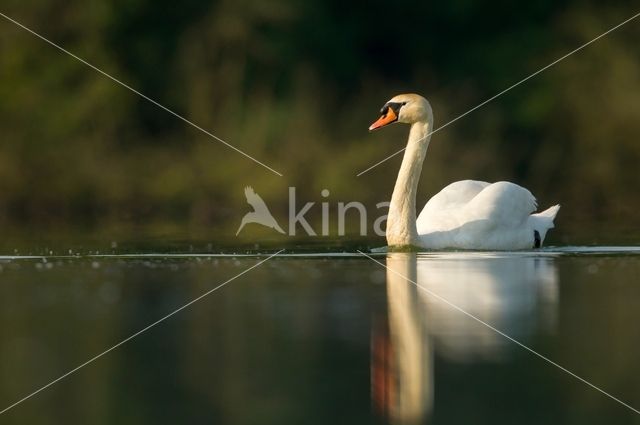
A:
(401, 222)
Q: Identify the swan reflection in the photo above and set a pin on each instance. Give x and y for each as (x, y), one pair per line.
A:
(515, 293)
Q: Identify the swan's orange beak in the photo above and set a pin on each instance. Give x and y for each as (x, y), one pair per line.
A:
(386, 119)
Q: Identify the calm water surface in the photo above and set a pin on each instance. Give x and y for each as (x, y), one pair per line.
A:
(323, 338)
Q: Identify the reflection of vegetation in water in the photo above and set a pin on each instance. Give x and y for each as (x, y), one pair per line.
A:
(296, 84)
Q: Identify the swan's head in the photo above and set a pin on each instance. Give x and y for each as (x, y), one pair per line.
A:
(404, 108)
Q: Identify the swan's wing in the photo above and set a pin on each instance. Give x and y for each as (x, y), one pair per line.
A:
(503, 203)
(456, 195)
(442, 212)
(498, 204)
(255, 201)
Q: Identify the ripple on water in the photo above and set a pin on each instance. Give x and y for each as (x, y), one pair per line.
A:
(376, 251)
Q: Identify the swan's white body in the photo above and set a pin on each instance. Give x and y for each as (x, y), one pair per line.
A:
(466, 214)
(478, 215)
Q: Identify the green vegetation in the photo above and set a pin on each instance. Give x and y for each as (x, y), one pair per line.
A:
(296, 85)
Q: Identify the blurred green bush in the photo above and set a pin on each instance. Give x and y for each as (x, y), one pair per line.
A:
(296, 85)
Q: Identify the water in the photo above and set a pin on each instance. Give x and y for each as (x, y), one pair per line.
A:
(319, 338)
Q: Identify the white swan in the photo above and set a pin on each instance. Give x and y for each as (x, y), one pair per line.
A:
(466, 214)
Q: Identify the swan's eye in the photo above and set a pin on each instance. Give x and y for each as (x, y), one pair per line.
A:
(404, 103)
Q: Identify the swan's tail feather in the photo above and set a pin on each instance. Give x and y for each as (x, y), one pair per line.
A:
(549, 215)
(542, 222)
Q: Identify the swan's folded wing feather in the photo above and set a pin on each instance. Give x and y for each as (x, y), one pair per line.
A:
(456, 195)
(503, 203)
(442, 212)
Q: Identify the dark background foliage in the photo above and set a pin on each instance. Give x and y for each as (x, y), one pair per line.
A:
(296, 84)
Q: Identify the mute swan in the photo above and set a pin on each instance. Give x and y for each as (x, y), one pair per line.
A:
(467, 214)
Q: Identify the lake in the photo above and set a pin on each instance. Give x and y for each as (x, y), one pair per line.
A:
(322, 337)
